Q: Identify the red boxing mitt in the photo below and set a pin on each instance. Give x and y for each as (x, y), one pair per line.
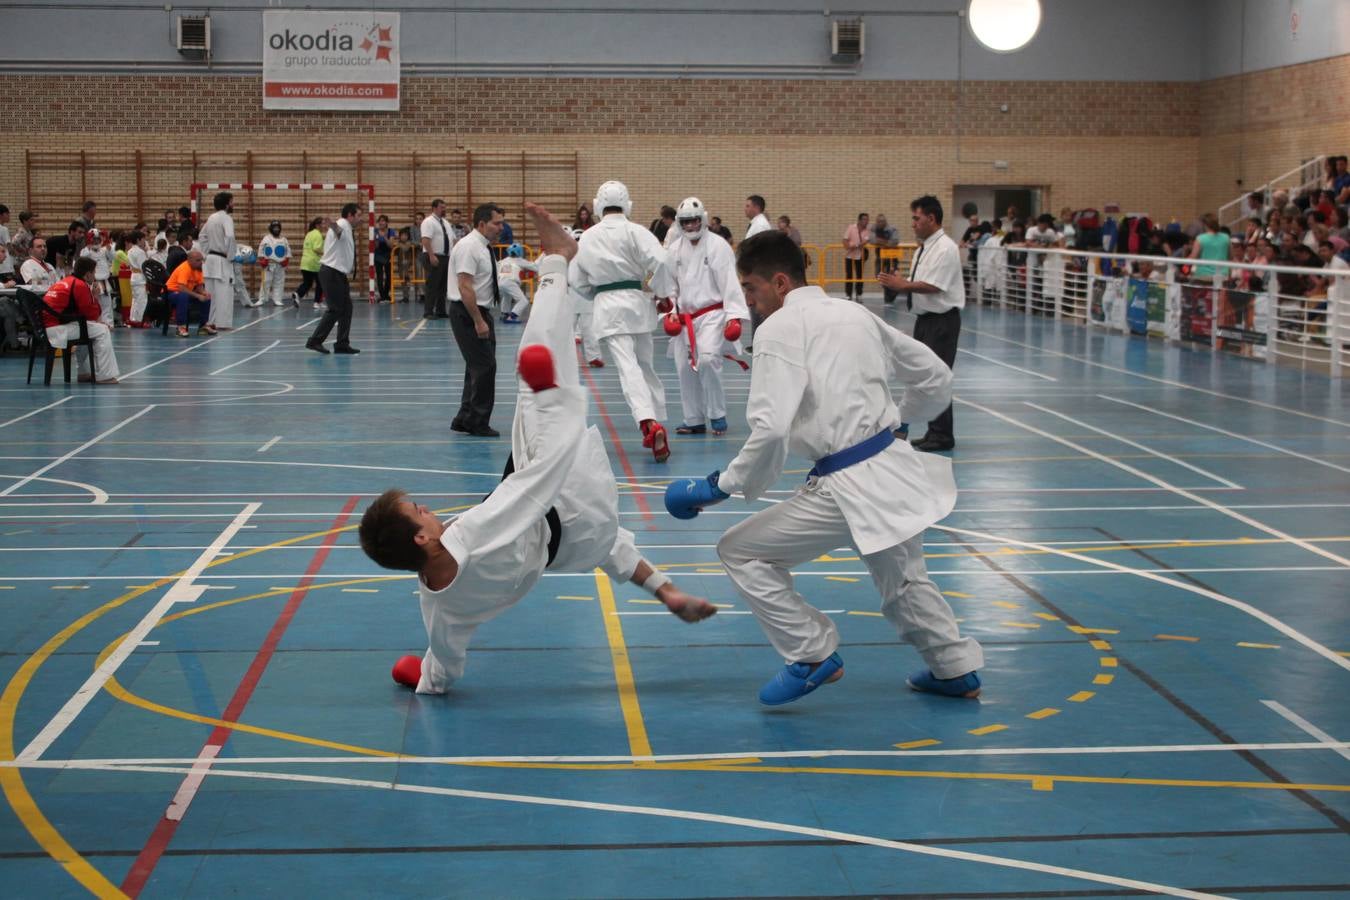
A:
(672, 324)
(408, 671)
(733, 330)
(536, 367)
(285, 261)
(664, 305)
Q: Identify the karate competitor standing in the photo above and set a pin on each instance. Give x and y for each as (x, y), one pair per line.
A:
(216, 240)
(244, 255)
(820, 390)
(509, 267)
(274, 255)
(709, 311)
(615, 259)
(557, 507)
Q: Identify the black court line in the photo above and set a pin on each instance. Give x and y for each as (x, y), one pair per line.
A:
(691, 845)
(1190, 712)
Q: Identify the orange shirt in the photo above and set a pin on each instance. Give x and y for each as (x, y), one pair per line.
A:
(186, 278)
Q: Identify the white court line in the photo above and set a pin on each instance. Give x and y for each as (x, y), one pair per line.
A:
(1303, 724)
(268, 462)
(1138, 446)
(1166, 381)
(247, 358)
(1231, 434)
(420, 325)
(196, 346)
(100, 496)
(1120, 750)
(260, 321)
(268, 446)
(38, 410)
(997, 362)
(182, 591)
(303, 325)
(1180, 492)
(1260, 615)
(689, 816)
(60, 459)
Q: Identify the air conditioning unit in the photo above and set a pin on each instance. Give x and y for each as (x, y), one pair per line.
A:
(846, 41)
(194, 36)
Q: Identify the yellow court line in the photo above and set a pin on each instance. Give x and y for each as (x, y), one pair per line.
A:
(1082, 696)
(577, 597)
(1109, 662)
(1258, 646)
(861, 612)
(914, 745)
(987, 729)
(638, 744)
(1103, 679)
(1004, 604)
(1021, 624)
(1079, 629)
(1100, 645)
(1043, 713)
(958, 594)
(1047, 617)
(842, 578)
(1175, 637)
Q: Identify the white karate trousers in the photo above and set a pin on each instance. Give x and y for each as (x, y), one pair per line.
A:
(759, 552)
(632, 356)
(139, 299)
(105, 360)
(274, 285)
(222, 301)
(584, 328)
(513, 294)
(701, 392)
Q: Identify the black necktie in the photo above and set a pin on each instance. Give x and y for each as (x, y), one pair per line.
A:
(496, 294)
(913, 271)
(445, 237)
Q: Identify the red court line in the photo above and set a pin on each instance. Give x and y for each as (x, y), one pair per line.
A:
(614, 439)
(159, 839)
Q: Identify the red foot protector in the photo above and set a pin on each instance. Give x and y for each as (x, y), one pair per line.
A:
(536, 367)
(408, 671)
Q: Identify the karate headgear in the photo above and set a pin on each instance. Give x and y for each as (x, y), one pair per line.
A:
(93, 237)
(275, 223)
(515, 250)
(612, 193)
(692, 208)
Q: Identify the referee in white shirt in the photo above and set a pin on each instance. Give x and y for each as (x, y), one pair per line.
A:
(475, 270)
(437, 239)
(937, 293)
(339, 258)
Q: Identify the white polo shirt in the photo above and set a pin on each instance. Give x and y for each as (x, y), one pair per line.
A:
(473, 257)
(338, 250)
(938, 262)
(7, 264)
(441, 234)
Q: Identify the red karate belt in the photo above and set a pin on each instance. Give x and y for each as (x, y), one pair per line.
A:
(688, 320)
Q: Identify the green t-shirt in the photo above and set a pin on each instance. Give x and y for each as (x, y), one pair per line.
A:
(309, 259)
(1212, 246)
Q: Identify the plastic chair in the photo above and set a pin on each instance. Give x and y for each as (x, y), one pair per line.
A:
(33, 306)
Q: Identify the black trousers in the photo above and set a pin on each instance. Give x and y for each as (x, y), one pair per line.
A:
(338, 295)
(382, 274)
(853, 269)
(308, 278)
(480, 367)
(938, 332)
(437, 282)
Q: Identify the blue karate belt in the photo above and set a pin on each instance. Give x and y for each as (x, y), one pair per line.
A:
(851, 456)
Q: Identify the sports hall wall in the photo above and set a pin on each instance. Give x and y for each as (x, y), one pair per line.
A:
(1111, 102)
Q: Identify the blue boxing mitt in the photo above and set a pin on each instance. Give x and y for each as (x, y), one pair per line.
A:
(688, 497)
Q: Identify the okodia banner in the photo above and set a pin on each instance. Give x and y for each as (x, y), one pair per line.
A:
(338, 59)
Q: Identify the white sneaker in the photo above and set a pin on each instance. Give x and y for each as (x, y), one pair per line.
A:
(281, 303)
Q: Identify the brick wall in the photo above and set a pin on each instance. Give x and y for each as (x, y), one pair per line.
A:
(818, 150)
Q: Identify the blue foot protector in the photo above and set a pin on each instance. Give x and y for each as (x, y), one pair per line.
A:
(797, 680)
(719, 426)
(967, 685)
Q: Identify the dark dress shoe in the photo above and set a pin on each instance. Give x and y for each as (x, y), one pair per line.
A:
(485, 431)
(317, 348)
(346, 348)
(933, 445)
(459, 426)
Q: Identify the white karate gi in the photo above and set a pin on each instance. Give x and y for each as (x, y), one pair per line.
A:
(216, 241)
(615, 250)
(242, 254)
(820, 385)
(274, 275)
(705, 274)
(501, 545)
(136, 257)
(758, 224)
(508, 283)
(584, 328)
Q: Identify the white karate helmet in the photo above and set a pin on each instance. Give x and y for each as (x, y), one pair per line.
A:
(612, 193)
(692, 209)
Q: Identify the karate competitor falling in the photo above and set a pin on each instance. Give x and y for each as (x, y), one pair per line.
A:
(709, 310)
(509, 267)
(274, 255)
(615, 259)
(557, 509)
(819, 389)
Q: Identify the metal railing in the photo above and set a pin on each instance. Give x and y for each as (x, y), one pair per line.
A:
(1287, 314)
(1306, 175)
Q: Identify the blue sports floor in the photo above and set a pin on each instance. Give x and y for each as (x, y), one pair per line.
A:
(1152, 543)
